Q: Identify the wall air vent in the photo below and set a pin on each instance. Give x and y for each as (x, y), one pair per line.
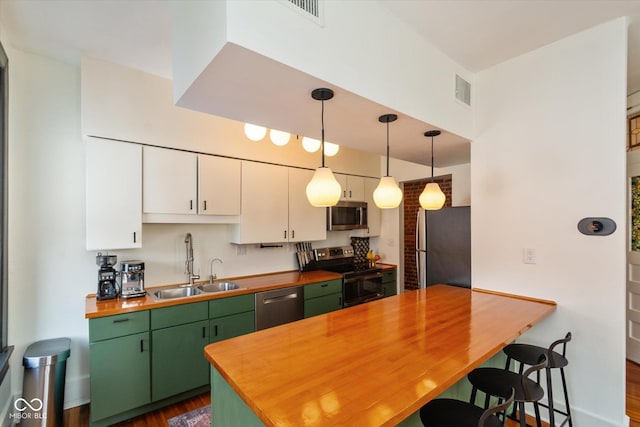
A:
(463, 90)
(309, 6)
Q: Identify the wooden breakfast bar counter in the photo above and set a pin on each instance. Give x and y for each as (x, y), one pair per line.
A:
(369, 365)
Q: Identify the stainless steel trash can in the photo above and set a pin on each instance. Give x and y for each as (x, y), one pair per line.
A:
(45, 365)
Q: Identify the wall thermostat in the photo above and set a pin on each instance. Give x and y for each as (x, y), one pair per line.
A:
(595, 226)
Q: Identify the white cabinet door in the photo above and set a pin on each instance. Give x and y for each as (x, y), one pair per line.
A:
(169, 181)
(265, 209)
(113, 195)
(373, 212)
(352, 187)
(306, 222)
(218, 185)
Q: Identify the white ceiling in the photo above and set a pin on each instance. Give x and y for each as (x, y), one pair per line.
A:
(475, 33)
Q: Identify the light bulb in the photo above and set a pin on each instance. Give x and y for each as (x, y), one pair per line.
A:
(387, 194)
(331, 149)
(254, 132)
(432, 197)
(323, 190)
(310, 145)
(279, 137)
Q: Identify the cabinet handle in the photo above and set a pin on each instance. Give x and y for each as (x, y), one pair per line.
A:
(141, 346)
(126, 319)
(205, 205)
(340, 301)
(293, 234)
(190, 205)
(324, 285)
(203, 332)
(344, 193)
(285, 234)
(350, 196)
(134, 237)
(215, 331)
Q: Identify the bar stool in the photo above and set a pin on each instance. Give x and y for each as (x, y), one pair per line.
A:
(528, 354)
(451, 412)
(497, 382)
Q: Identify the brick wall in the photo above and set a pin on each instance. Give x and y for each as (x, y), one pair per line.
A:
(412, 192)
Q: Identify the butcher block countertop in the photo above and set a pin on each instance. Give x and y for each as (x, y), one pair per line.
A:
(248, 285)
(371, 364)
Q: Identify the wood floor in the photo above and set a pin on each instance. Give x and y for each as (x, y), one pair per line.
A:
(79, 416)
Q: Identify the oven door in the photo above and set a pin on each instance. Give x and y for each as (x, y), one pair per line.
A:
(362, 288)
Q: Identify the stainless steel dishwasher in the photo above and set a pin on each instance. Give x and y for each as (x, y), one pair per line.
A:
(279, 306)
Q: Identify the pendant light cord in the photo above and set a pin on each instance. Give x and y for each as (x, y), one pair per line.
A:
(322, 122)
(431, 159)
(387, 149)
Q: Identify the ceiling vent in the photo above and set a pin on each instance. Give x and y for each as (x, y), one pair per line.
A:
(309, 6)
(463, 90)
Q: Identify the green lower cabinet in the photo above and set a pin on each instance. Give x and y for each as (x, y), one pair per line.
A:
(389, 285)
(120, 375)
(226, 327)
(323, 304)
(177, 359)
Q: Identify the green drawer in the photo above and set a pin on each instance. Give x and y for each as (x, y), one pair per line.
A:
(231, 305)
(389, 276)
(103, 328)
(178, 315)
(323, 288)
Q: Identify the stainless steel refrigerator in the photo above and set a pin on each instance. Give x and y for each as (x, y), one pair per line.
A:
(443, 246)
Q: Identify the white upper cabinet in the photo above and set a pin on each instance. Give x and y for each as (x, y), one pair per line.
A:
(275, 207)
(373, 212)
(218, 185)
(352, 187)
(113, 166)
(184, 187)
(306, 222)
(169, 178)
(265, 208)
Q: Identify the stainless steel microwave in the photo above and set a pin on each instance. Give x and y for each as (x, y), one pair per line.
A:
(347, 216)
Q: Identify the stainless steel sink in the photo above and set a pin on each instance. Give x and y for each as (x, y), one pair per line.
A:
(180, 292)
(218, 287)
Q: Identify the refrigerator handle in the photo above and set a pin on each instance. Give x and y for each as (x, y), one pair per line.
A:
(418, 250)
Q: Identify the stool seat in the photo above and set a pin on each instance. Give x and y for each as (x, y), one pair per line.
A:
(454, 413)
(530, 354)
(499, 382)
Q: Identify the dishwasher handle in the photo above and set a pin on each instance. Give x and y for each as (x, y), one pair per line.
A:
(272, 300)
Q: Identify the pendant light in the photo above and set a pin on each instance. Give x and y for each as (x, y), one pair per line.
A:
(331, 149)
(254, 132)
(432, 197)
(310, 145)
(323, 190)
(278, 137)
(387, 194)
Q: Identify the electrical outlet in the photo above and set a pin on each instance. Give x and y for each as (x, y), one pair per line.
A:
(529, 256)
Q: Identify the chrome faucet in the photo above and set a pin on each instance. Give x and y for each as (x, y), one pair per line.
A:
(212, 276)
(188, 264)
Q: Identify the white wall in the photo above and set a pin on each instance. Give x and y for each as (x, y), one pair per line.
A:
(49, 270)
(549, 149)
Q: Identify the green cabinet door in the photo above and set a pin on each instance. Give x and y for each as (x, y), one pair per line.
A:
(389, 286)
(231, 326)
(323, 304)
(177, 359)
(120, 374)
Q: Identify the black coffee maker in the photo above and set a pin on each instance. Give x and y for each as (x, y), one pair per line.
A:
(107, 288)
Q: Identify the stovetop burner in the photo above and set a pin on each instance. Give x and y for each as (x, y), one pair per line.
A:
(341, 260)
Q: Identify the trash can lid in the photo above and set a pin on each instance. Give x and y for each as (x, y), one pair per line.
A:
(47, 352)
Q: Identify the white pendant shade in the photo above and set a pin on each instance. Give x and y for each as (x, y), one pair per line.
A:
(279, 137)
(331, 149)
(323, 190)
(310, 145)
(254, 132)
(387, 194)
(432, 197)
